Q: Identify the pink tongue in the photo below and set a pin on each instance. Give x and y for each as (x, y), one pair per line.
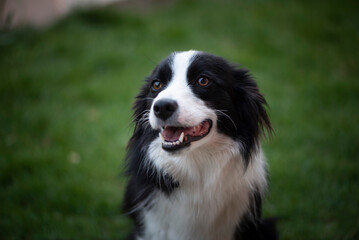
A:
(172, 134)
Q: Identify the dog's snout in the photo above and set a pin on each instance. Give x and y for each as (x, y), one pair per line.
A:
(165, 108)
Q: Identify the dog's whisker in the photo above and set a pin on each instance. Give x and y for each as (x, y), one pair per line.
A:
(226, 115)
(141, 113)
(145, 114)
(146, 98)
(144, 120)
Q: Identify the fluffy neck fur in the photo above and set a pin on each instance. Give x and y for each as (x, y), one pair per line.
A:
(215, 189)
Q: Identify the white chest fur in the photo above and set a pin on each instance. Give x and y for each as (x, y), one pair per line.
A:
(214, 193)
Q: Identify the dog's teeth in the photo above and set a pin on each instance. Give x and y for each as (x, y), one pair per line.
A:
(178, 142)
(195, 129)
(162, 138)
(181, 137)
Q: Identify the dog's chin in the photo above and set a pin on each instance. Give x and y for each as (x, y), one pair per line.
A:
(176, 138)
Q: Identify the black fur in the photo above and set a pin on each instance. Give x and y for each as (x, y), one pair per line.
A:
(253, 227)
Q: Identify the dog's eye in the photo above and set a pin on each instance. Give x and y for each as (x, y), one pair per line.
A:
(156, 85)
(203, 81)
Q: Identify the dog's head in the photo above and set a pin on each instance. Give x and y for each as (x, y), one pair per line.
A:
(192, 96)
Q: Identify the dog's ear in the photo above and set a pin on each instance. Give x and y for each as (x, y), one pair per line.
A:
(251, 110)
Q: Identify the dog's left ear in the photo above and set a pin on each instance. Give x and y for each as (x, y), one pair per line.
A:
(251, 109)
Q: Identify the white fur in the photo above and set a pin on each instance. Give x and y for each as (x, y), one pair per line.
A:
(213, 195)
(215, 186)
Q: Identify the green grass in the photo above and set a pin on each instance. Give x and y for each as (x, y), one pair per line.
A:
(66, 94)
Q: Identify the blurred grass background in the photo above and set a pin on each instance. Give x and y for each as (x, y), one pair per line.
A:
(66, 94)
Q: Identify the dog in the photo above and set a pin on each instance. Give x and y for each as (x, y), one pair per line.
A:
(195, 165)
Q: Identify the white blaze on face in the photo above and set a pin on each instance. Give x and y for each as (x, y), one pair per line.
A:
(191, 109)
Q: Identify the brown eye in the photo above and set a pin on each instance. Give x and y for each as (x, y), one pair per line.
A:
(203, 81)
(156, 85)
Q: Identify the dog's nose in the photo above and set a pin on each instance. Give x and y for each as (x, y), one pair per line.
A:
(165, 108)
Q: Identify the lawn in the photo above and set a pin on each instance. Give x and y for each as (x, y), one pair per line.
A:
(65, 111)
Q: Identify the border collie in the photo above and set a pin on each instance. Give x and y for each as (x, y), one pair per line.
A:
(195, 162)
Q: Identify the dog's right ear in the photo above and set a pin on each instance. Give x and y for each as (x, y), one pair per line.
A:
(252, 101)
(251, 109)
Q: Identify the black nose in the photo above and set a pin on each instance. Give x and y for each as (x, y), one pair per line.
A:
(165, 108)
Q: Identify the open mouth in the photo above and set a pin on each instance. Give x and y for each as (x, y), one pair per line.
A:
(175, 138)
